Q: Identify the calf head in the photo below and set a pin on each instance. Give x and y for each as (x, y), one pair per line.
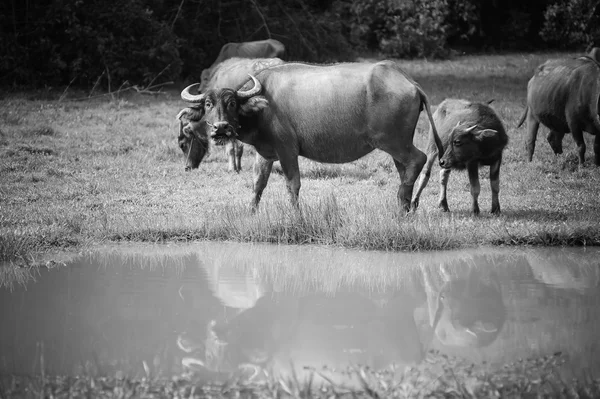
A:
(193, 137)
(465, 145)
(222, 109)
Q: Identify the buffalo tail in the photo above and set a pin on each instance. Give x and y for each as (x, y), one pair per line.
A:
(523, 117)
(435, 136)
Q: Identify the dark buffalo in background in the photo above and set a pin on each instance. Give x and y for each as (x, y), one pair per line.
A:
(232, 72)
(472, 135)
(327, 113)
(564, 95)
(269, 48)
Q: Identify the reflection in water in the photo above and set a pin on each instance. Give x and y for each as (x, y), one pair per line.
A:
(214, 309)
(467, 310)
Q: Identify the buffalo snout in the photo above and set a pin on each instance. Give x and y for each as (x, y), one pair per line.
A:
(445, 163)
(221, 128)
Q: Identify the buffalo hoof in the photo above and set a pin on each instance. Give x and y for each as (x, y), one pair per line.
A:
(443, 206)
(414, 205)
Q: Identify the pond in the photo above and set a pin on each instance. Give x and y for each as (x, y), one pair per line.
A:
(213, 309)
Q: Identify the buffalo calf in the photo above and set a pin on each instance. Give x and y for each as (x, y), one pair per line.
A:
(472, 135)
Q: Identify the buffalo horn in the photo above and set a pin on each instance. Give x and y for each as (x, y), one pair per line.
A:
(250, 92)
(470, 128)
(187, 96)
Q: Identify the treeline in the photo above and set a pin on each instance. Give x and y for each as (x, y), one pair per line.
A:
(114, 42)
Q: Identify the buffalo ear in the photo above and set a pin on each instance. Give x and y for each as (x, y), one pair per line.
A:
(485, 134)
(253, 105)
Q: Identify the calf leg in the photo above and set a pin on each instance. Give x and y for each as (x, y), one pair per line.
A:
(443, 201)
(532, 130)
(495, 185)
(423, 179)
(262, 171)
(473, 169)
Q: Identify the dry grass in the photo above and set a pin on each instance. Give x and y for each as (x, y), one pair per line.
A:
(82, 173)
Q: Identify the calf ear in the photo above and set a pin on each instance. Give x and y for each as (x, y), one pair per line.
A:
(253, 105)
(485, 134)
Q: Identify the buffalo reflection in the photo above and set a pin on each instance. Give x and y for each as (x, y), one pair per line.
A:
(467, 310)
(313, 329)
(264, 328)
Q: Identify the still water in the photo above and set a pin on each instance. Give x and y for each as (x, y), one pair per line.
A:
(219, 308)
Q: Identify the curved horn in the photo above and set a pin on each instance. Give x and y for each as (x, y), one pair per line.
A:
(187, 96)
(470, 128)
(251, 92)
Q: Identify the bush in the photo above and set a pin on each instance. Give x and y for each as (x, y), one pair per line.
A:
(568, 24)
(411, 28)
(82, 41)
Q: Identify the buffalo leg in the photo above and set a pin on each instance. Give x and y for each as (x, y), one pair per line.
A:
(473, 169)
(443, 201)
(532, 130)
(555, 140)
(423, 180)
(262, 171)
(597, 149)
(238, 156)
(230, 148)
(580, 142)
(409, 171)
(495, 185)
(291, 171)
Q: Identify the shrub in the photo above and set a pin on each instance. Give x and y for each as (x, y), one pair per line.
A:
(569, 23)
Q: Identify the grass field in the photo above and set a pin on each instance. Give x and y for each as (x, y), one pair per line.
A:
(75, 173)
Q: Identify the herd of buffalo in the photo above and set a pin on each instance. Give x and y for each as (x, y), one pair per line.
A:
(337, 113)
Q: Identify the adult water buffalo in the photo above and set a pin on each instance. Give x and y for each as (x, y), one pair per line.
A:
(564, 96)
(472, 135)
(258, 49)
(233, 73)
(327, 113)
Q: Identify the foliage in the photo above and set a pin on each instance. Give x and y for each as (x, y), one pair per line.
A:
(570, 23)
(402, 28)
(81, 42)
(89, 44)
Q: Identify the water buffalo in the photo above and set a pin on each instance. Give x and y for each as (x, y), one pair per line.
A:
(466, 308)
(258, 49)
(472, 135)
(232, 72)
(328, 113)
(193, 137)
(564, 95)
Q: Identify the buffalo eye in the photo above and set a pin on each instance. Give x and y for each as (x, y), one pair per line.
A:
(457, 143)
(232, 104)
(208, 104)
